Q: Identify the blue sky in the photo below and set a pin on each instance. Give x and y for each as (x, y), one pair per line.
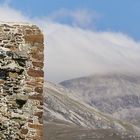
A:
(113, 15)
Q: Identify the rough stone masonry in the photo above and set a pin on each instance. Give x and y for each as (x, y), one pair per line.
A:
(21, 82)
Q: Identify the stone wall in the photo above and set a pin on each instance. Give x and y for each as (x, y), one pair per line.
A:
(21, 82)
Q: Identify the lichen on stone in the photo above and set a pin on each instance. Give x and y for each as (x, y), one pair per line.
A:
(20, 84)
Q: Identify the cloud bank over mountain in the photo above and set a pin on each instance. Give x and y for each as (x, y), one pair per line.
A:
(73, 52)
(76, 52)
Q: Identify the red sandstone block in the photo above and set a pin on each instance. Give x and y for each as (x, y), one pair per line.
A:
(34, 38)
(24, 131)
(36, 126)
(38, 56)
(38, 64)
(39, 89)
(29, 31)
(39, 114)
(2, 81)
(36, 97)
(30, 120)
(35, 73)
(39, 48)
(40, 107)
(33, 83)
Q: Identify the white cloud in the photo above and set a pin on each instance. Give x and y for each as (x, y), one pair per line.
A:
(79, 17)
(72, 52)
(11, 15)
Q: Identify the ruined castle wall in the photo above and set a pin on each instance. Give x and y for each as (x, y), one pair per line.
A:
(21, 82)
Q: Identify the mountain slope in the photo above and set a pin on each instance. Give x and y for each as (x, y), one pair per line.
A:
(66, 115)
(116, 94)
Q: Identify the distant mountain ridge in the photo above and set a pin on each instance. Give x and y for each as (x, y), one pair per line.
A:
(116, 94)
(69, 118)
